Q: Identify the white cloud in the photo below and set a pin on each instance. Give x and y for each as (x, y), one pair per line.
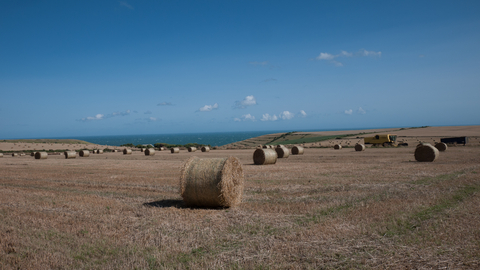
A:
(103, 116)
(264, 63)
(349, 112)
(268, 117)
(303, 113)
(331, 57)
(361, 111)
(125, 4)
(245, 117)
(151, 119)
(247, 101)
(325, 56)
(165, 104)
(208, 108)
(371, 53)
(96, 117)
(286, 115)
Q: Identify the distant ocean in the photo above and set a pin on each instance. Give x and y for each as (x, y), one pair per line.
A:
(213, 139)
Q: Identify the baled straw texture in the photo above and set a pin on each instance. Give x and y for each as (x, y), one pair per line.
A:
(1, 154)
(192, 149)
(94, 151)
(70, 154)
(264, 156)
(175, 150)
(150, 152)
(280, 145)
(359, 147)
(266, 146)
(114, 151)
(84, 153)
(441, 146)
(41, 155)
(426, 153)
(212, 182)
(142, 150)
(99, 151)
(297, 150)
(127, 151)
(32, 154)
(337, 147)
(205, 149)
(282, 152)
(14, 155)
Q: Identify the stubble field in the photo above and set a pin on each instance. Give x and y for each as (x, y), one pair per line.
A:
(326, 209)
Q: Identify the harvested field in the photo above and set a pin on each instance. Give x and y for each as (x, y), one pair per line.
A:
(324, 209)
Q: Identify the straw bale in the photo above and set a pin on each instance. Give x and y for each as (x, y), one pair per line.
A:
(266, 146)
(14, 155)
(142, 150)
(280, 145)
(150, 152)
(127, 151)
(426, 153)
(175, 150)
(359, 147)
(205, 149)
(441, 146)
(282, 152)
(99, 151)
(70, 154)
(1, 154)
(192, 149)
(84, 153)
(337, 146)
(41, 155)
(32, 154)
(212, 182)
(264, 156)
(114, 150)
(297, 150)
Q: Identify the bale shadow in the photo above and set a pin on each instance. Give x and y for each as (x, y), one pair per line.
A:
(166, 203)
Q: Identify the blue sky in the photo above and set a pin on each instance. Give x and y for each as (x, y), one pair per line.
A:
(80, 68)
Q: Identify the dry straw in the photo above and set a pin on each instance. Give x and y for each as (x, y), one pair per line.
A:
(205, 149)
(150, 152)
(192, 149)
(337, 147)
(32, 154)
(212, 182)
(175, 150)
(282, 152)
(266, 146)
(70, 154)
(426, 153)
(441, 146)
(84, 153)
(114, 150)
(264, 156)
(297, 150)
(127, 151)
(100, 151)
(14, 155)
(1, 154)
(359, 147)
(41, 155)
(142, 150)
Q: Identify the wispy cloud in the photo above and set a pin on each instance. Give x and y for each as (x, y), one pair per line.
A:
(349, 112)
(286, 115)
(165, 104)
(331, 57)
(247, 101)
(268, 117)
(360, 110)
(208, 108)
(125, 4)
(264, 63)
(302, 113)
(105, 116)
(245, 117)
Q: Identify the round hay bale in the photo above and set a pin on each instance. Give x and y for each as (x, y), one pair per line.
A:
(205, 149)
(94, 151)
(142, 150)
(70, 154)
(297, 150)
(114, 150)
(41, 155)
(280, 145)
(175, 150)
(127, 151)
(359, 147)
(426, 153)
(84, 153)
(282, 152)
(337, 146)
(22, 154)
(441, 146)
(150, 152)
(212, 182)
(1, 154)
(264, 157)
(14, 155)
(266, 146)
(32, 154)
(99, 151)
(192, 149)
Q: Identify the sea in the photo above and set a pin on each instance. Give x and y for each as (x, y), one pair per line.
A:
(212, 139)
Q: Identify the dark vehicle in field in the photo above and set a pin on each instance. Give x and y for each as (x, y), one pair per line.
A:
(455, 140)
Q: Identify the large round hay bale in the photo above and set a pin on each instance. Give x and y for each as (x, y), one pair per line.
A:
(282, 152)
(41, 155)
(192, 149)
(94, 151)
(114, 151)
(264, 157)
(99, 151)
(70, 154)
(1, 154)
(297, 150)
(212, 182)
(142, 150)
(280, 145)
(337, 146)
(426, 153)
(32, 154)
(266, 146)
(359, 147)
(127, 151)
(84, 153)
(205, 149)
(150, 152)
(175, 150)
(14, 155)
(441, 146)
